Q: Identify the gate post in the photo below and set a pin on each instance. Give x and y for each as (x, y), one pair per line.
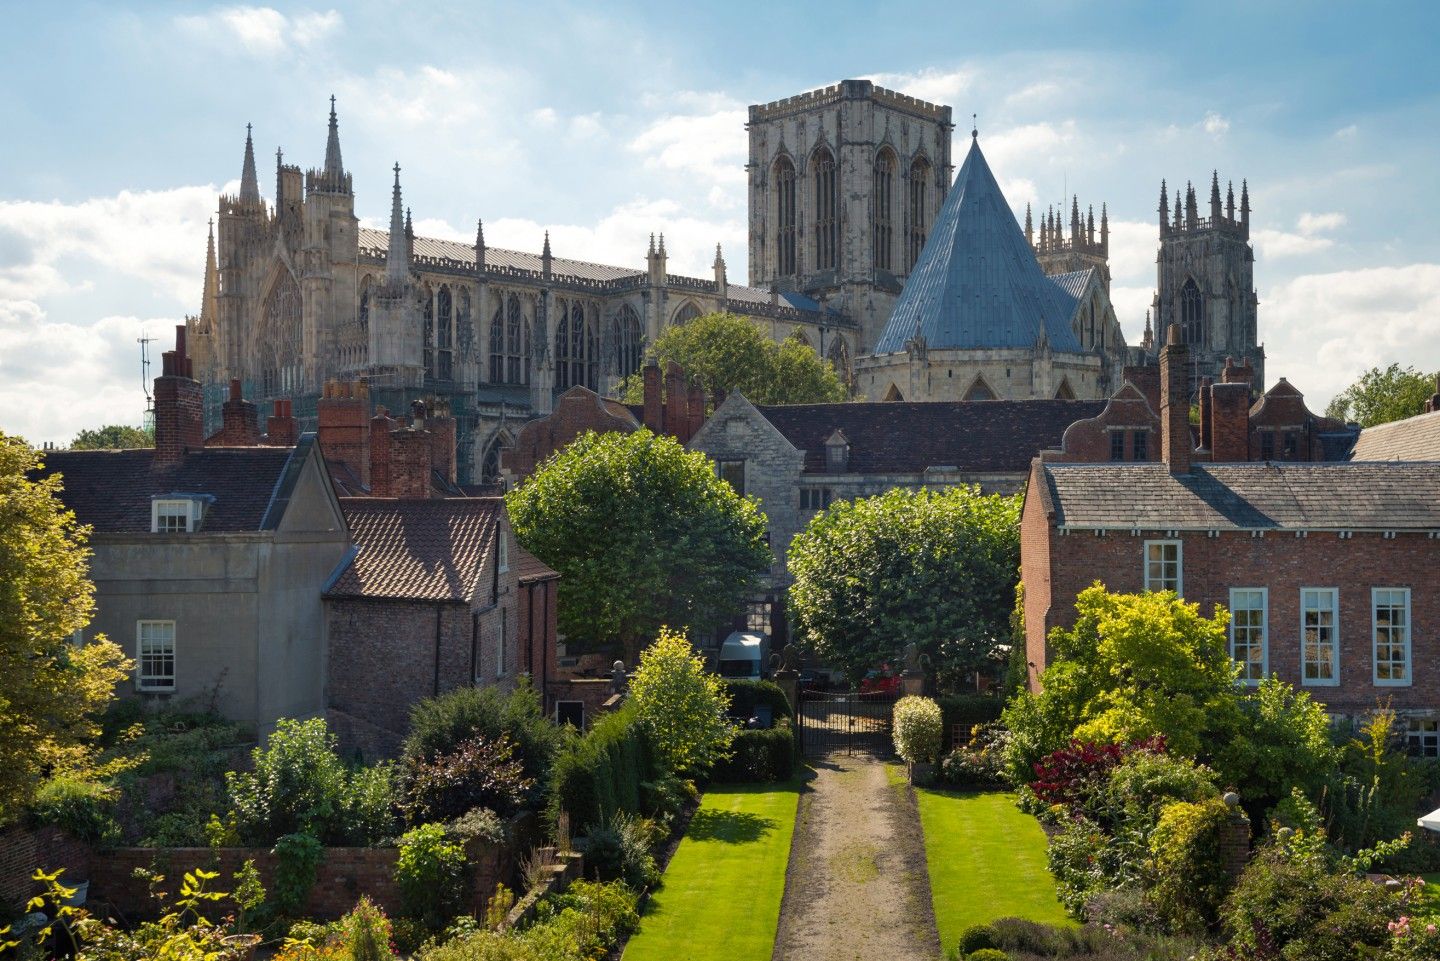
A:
(912, 682)
(789, 682)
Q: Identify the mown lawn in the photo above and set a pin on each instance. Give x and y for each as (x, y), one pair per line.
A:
(1426, 904)
(720, 900)
(986, 860)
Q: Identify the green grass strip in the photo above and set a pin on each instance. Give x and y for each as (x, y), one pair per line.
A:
(721, 895)
(986, 860)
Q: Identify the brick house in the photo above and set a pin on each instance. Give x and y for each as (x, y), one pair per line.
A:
(1414, 438)
(436, 595)
(1327, 567)
(209, 560)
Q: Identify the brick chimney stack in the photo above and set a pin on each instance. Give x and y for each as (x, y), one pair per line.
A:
(1230, 422)
(280, 427)
(409, 463)
(677, 418)
(342, 416)
(380, 453)
(1146, 379)
(1175, 441)
(654, 414)
(441, 424)
(179, 406)
(696, 405)
(1205, 435)
(239, 422)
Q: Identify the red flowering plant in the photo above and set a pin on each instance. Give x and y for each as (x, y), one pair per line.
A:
(1075, 776)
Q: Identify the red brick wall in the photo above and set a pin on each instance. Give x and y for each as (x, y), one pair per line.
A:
(342, 424)
(23, 851)
(1088, 441)
(344, 875)
(1282, 563)
(576, 411)
(409, 464)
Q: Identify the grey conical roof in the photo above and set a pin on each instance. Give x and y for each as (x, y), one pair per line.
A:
(977, 284)
(334, 166)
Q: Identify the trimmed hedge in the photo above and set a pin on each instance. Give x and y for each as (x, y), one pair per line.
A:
(967, 710)
(759, 756)
(745, 696)
(601, 774)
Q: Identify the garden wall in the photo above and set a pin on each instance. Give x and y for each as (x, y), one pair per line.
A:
(344, 875)
(25, 850)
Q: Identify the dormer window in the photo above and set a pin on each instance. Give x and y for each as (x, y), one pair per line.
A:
(177, 513)
(837, 453)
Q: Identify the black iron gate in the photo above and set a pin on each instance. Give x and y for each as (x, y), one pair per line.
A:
(846, 723)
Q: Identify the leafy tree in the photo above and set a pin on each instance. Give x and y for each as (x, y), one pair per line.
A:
(1380, 396)
(114, 437)
(726, 352)
(681, 705)
(51, 692)
(936, 568)
(643, 534)
(1282, 741)
(1133, 666)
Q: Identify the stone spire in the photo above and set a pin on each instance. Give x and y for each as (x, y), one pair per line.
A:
(249, 185)
(397, 256)
(1077, 226)
(334, 167)
(545, 256)
(409, 238)
(1164, 207)
(1029, 227)
(1179, 210)
(722, 284)
(480, 246)
(209, 300)
(1230, 199)
(1192, 206)
(1215, 197)
(1104, 230)
(1090, 226)
(1245, 206)
(1148, 341)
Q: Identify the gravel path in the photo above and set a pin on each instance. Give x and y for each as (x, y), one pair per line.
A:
(857, 887)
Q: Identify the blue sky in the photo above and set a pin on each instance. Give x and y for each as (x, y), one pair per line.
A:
(603, 123)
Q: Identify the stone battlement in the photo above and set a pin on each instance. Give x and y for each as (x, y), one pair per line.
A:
(849, 90)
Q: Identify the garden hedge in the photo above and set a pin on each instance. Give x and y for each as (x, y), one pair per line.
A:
(600, 774)
(746, 695)
(967, 710)
(759, 756)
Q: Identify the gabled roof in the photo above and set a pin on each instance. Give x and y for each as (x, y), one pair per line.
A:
(112, 490)
(906, 437)
(423, 549)
(1073, 285)
(1256, 496)
(977, 283)
(1414, 438)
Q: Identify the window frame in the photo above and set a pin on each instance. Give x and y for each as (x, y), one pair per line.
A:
(1409, 678)
(187, 504)
(1264, 608)
(1140, 445)
(1117, 446)
(1179, 546)
(571, 702)
(141, 682)
(502, 552)
(722, 463)
(1421, 741)
(1334, 594)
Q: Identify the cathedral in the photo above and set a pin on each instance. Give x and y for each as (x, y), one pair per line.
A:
(859, 244)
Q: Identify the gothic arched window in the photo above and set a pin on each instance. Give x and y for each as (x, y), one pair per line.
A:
(427, 314)
(517, 343)
(580, 358)
(444, 336)
(592, 353)
(497, 345)
(917, 211)
(827, 210)
(840, 358)
(365, 303)
(629, 341)
(281, 346)
(883, 212)
(490, 464)
(562, 345)
(1192, 314)
(464, 333)
(785, 217)
(686, 313)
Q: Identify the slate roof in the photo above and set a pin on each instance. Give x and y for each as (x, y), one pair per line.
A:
(377, 242)
(111, 490)
(906, 437)
(1414, 438)
(430, 549)
(977, 284)
(1256, 496)
(1072, 284)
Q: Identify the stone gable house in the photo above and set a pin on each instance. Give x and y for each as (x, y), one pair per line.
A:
(1326, 567)
(1412, 439)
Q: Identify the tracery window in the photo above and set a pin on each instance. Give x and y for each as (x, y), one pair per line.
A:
(785, 216)
(686, 313)
(427, 312)
(464, 339)
(365, 304)
(574, 347)
(628, 340)
(918, 188)
(1191, 313)
(497, 345)
(840, 358)
(509, 343)
(883, 214)
(280, 342)
(444, 342)
(827, 211)
(562, 345)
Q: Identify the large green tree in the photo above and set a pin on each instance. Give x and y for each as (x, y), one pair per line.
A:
(643, 534)
(114, 437)
(1380, 396)
(726, 352)
(936, 568)
(51, 692)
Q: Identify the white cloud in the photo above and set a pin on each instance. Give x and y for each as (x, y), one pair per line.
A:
(1214, 124)
(1305, 239)
(710, 145)
(1347, 133)
(1331, 327)
(1318, 223)
(544, 117)
(1033, 95)
(1030, 145)
(262, 31)
(936, 86)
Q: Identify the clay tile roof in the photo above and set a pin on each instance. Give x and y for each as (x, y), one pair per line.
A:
(1415, 438)
(906, 437)
(431, 549)
(530, 568)
(111, 489)
(1290, 496)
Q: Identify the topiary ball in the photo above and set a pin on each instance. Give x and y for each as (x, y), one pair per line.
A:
(987, 954)
(977, 937)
